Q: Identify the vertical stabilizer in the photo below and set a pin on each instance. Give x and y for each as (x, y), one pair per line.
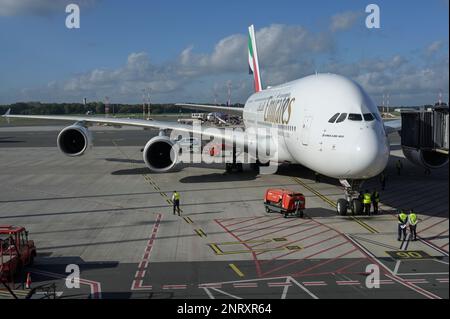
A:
(253, 62)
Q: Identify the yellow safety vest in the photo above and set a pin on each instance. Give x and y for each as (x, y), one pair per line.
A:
(176, 196)
(367, 198)
(413, 219)
(403, 218)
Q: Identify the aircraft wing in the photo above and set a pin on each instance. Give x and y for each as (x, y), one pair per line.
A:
(213, 108)
(239, 137)
(393, 126)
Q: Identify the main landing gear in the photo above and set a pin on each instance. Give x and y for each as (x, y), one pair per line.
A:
(352, 198)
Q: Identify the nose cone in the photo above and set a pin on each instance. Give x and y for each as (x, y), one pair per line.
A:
(371, 153)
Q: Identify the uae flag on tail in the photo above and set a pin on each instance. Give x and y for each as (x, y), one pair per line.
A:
(253, 63)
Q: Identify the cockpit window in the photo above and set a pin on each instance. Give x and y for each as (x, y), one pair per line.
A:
(333, 119)
(342, 118)
(368, 117)
(376, 116)
(355, 117)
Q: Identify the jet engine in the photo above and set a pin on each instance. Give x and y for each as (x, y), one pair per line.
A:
(424, 158)
(74, 140)
(161, 154)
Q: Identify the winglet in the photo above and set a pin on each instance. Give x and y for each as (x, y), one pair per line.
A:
(7, 113)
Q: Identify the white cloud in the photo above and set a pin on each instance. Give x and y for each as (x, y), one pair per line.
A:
(344, 21)
(434, 47)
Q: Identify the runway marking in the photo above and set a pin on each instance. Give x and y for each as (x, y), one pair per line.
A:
(174, 287)
(96, 288)
(137, 283)
(236, 270)
(245, 285)
(200, 232)
(188, 220)
(348, 283)
(389, 273)
(334, 205)
(314, 283)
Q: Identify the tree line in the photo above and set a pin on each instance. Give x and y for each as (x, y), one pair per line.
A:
(38, 108)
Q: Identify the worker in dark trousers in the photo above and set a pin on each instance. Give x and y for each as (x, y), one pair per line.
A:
(383, 181)
(412, 220)
(367, 201)
(176, 202)
(375, 201)
(402, 221)
(317, 177)
(399, 166)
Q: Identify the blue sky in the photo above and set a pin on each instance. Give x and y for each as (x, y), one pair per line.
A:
(190, 50)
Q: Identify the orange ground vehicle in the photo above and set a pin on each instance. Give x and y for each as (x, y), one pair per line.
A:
(284, 201)
(16, 251)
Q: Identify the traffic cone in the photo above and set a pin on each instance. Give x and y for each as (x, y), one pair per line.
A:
(28, 283)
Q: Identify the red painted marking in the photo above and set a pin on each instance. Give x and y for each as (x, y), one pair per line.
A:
(314, 283)
(267, 227)
(245, 220)
(96, 290)
(276, 230)
(297, 240)
(258, 267)
(279, 284)
(265, 221)
(431, 226)
(294, 233)
(309, 246)
(300, 260)
(349, 265)
(326, 262)
(143, 264)
(174, 287)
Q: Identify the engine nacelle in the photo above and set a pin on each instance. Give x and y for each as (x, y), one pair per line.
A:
(74, 140)
(427, 159)
(161, 154)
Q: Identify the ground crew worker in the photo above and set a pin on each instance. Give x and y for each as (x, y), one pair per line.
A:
(412, 220)
(367, 200)
(375, 201)
(399, 167)
(402, 220)
(383, 181)
(176, 202)
(317, 177)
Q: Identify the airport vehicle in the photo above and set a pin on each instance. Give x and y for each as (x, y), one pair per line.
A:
(192, 144)
(16, 251)
(284, 201)
(325, 122)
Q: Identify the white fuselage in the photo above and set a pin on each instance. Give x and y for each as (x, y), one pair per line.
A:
(354, 148)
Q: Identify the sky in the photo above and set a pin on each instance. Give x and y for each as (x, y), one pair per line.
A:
(193, 50)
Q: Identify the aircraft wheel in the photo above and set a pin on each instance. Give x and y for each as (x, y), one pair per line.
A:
(357, 207)
(341, 207)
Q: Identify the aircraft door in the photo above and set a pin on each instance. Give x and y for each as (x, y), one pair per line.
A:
(306, 127)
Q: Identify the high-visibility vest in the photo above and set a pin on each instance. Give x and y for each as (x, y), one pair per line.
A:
(367, 198)
(412, 219)
(176, 196)
(402, 218)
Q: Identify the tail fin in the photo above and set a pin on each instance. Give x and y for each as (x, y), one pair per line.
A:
(253, 58)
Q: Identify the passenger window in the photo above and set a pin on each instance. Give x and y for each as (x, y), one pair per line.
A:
(368, 117)
(342, 118)
(355, 117)
(333, 119)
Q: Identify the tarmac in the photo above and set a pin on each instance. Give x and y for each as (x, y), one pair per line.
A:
(108, 214)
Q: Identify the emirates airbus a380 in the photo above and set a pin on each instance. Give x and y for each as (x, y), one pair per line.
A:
(325, 122)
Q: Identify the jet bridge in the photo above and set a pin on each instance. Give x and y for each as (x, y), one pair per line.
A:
(425, 136)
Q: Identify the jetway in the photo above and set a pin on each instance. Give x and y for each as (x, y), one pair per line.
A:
(426, 130)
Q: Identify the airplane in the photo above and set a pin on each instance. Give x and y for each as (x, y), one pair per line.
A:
(325, 122)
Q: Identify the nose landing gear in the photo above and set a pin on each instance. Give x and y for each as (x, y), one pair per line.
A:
(352, 198)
